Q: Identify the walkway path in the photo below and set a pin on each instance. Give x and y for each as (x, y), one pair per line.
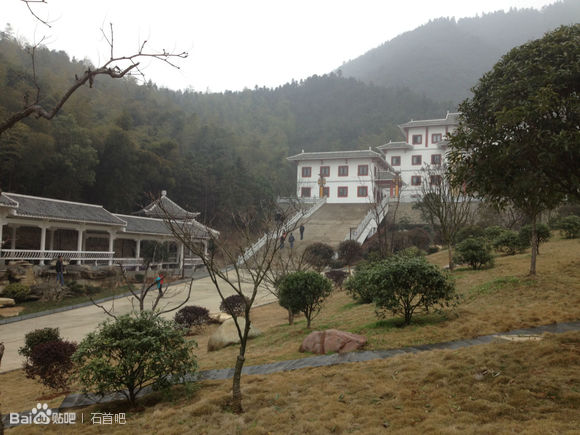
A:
(75, 324)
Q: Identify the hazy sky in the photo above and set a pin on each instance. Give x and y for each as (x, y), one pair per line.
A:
(234, 44)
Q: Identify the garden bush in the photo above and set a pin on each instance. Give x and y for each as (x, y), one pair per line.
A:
(510, 243)
(17, 291)
(36, 337)
(304, 292)
(474, 251)
(361, 285)
(570, 226)
(406, 285)
(131, 353)
(467, 232)
(337, 277)
(493, 232)
(318, 255)
(349, 251)
(234, 305)
(51, 362)
(542, 233)
(192, 316)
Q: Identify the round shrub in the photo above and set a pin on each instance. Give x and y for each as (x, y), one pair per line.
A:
(36, 337)
(191, 316)
(18, 292)
(361, 285)
(337, 277)
(509, 243)
(318, 255)
(493, 232)
(234, 305)
(570, 227)
(474, 251)
(469, 231)
(349, 251)
(51, 362)
(432, 249)
(304, 292)
(542, 235)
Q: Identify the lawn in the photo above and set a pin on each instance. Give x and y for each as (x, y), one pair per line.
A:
(501, 387)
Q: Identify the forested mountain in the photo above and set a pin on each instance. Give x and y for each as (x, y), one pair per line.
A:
(444, 58)
(214, 153)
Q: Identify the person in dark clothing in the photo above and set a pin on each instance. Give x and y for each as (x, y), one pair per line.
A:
(301, 231)
(159, 282)
(59, 270)
(282, 240)
(291, 240)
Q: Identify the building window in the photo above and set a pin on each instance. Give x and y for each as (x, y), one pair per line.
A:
(436, 159)
(416, 180)
(363, 170)
(325, 171)
(435, 180)
(305, 192)
(396, 161)
(343, 171)
(416, 160)
(436, 137)
(306, 171)
(342, 192)
(362, 191)
(417, 139)
(326, 192)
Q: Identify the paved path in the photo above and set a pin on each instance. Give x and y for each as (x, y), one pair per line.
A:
(75, 324)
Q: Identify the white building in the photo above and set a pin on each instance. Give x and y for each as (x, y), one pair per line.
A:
(367, 175)
(340, 176)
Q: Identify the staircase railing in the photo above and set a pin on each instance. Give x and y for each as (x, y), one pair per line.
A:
(377, 212)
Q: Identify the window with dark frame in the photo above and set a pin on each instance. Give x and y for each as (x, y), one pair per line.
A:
(416, 160)
(343, 171)
(416, 180)
(305, 192)
(417, 139)
(362, 191)
(342, 192)
(325, 171)
(436, 159)
(326, 192)
(436, 137)
(435, 180)
(363, 170)
(396, 161)
(306, 171)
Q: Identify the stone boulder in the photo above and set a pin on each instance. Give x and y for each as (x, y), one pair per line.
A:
(7, 302)
(332, 340)
(219, 317)
(227, 334)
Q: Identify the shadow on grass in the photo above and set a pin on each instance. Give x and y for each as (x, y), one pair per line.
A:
(350, 306)
(399, 323)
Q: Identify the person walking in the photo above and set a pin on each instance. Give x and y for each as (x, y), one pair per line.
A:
(159, 282)
(59, 270)
(282, 240)
(301, 231)
(291, 240)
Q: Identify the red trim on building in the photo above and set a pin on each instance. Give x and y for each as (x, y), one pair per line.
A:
(327, 174)
(343, 175)
(305, 192)
(366, 170)
(358, 191)
(309, 171)
(420, 160)
(345, 191)
(426, 137)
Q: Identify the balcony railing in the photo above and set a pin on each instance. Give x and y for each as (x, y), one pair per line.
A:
(30, 254)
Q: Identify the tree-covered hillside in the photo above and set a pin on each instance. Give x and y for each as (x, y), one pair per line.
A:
(444, 58)
(214, 153)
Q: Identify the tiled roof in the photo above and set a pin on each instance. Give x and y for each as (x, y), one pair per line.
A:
(55, 209)
(395, 146)
(329, 155)
(450, 119)
(7, 202)
(163, 207)
(146, 225)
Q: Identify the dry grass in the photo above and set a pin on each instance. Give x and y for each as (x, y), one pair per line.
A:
(504, 387)
(535, 392)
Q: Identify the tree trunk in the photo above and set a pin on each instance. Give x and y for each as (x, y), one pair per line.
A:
(290, 317)
(534, 246)
(236, 389)
(450, 253)
(1, 422)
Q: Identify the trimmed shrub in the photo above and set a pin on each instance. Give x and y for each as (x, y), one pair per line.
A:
(432, 249)
(234, 305)
(493, 232)
(467, 232)
(36, 337)
(192, 315)
(510, 243)
(318, 255)
(406, 285)
(18, 292)
(474, 251)
(361, 285)
(542, 233)
(411, 252)
(570, 227)
(337, 276)
(51, 362)
(349, 251)
(131, 353)
(304, 292)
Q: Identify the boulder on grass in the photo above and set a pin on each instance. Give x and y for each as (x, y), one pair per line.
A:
(227, 334)
(219, 317)
(7, 302)
(332, 340)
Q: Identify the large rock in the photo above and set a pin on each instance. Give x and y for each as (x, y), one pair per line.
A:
(332, 340)
(227, 334)
(7, 302)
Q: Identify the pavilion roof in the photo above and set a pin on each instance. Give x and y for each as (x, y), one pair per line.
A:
(164, 207)
(156, 226)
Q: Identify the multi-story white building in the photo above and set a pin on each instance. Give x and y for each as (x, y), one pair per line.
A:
(367, 175)
(340, 176)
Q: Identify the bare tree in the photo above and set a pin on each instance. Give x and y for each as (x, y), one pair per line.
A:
(446, 207)
(240, 270)
(115, 67)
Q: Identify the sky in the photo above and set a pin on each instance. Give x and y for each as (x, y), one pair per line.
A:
(234, 44)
